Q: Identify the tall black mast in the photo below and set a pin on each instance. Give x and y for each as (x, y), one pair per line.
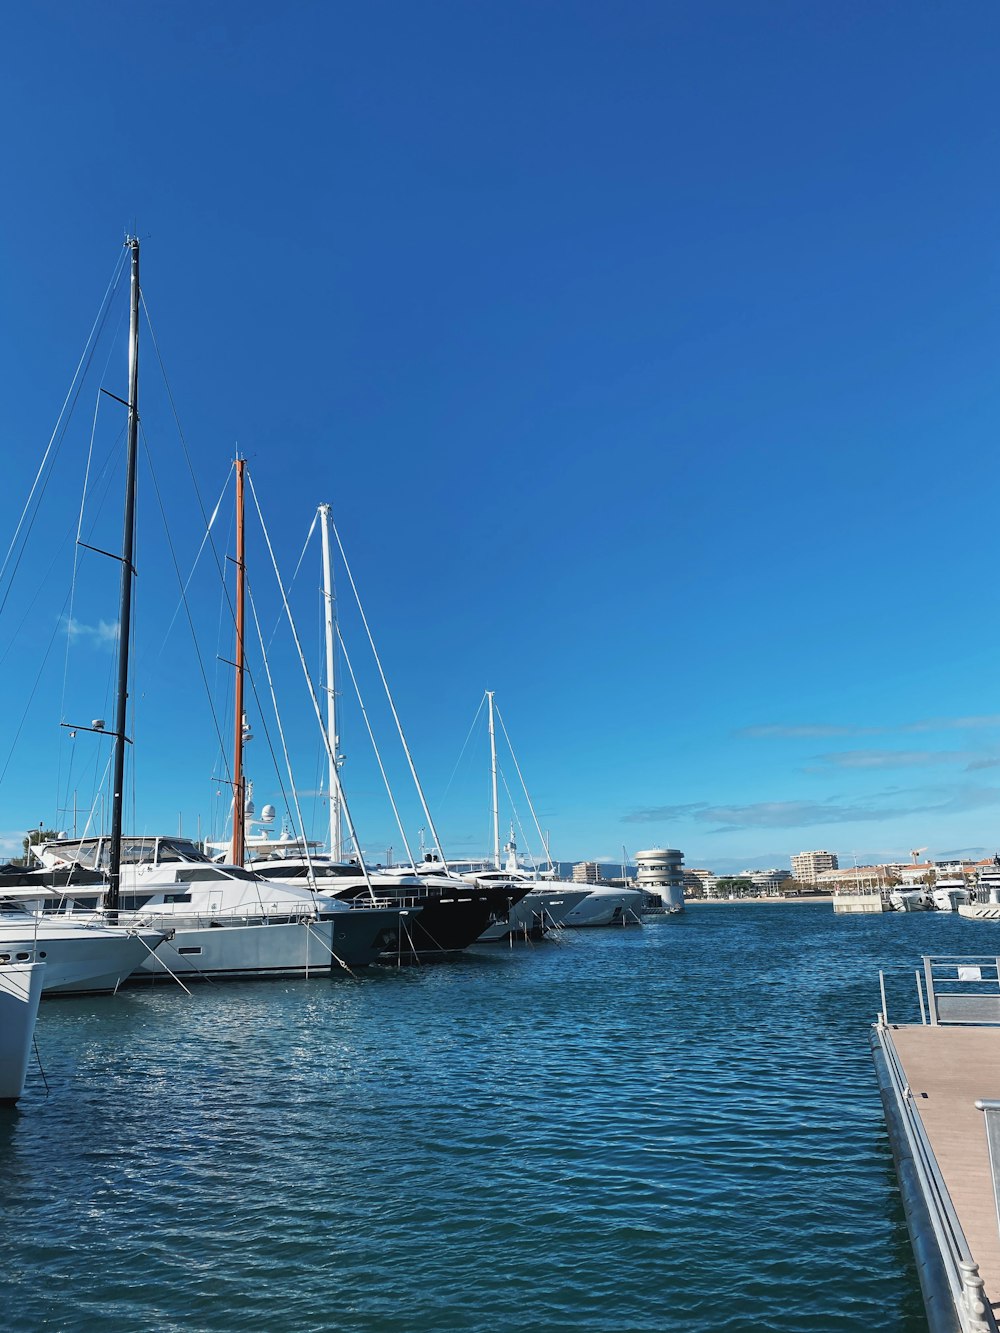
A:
(128, 573)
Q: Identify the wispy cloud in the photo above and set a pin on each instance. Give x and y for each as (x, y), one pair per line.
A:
(824, 730)
(11, 844)
(868, 759)
(802, 731)
(103, 635)
(809, 814)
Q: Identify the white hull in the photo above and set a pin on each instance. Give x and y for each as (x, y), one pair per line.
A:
(540, 910)
(949, 900)
(607, 907)
(257, 949)
(79, 959)
(910, 901)
(20, 991)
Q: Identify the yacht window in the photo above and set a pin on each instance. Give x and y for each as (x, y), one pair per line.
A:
(181, 849)
(189, 949)
(138, 851)
(199, 875)
(83, 853)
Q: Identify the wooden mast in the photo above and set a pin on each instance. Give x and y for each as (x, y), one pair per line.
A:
(239, 784)
(128, 573)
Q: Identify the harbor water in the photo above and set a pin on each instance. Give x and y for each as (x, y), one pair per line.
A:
(672, 1128)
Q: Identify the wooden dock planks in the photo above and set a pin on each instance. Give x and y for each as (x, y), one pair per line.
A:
(947, 1069)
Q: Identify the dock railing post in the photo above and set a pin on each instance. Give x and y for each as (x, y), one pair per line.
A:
(920, 997)
(974, 1296)
(881, 986)
(931, 996)
(991, 1114)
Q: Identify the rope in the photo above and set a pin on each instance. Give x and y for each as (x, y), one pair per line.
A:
(152, 953)
(388, 695)
(41, 1070)
(312, 693)
(336, 957)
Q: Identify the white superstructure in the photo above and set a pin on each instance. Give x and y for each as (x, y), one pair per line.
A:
(660, 872)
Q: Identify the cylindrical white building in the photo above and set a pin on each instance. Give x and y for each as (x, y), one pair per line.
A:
(660, 871)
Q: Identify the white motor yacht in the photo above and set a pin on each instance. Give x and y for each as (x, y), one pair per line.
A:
(20, 991)
(948, 895)
(82, 957)
(910, 900)
(225, 920)
(545, 907)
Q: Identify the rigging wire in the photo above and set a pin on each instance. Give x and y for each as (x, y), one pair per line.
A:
(284, 748)
(59, 430)
(194, 479)
(378, 756)
(517, 819)
(31, 695)
(291, 584)
(462, 752)
(312, 693)
(183, 588)
(524, 787)
(187, 582)
(388, 694)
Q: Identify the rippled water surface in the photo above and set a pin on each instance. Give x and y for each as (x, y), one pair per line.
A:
(673, 1128)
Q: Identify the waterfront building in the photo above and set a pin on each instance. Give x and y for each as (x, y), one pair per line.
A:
(660, 871)
(807, 866)
(587, 872)
(768, 882)
(696, 882)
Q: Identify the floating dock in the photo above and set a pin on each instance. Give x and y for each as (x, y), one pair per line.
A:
(940, 1084)
(860, 902)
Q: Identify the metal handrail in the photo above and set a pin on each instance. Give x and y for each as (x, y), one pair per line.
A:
(961, 1269)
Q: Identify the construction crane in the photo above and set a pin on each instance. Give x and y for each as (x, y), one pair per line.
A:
(916, 852)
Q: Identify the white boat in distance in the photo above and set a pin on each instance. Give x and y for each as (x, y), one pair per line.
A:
(948, 895)
(544, 907)
(20, 991)
(910, 900)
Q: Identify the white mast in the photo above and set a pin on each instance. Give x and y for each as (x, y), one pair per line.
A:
(493, 773)
(333, 753)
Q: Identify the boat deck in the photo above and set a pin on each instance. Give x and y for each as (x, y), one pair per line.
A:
(948, 1069)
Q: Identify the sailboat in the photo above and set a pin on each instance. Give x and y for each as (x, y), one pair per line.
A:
(446, 914)
(81, 956)
(551, 901)
(225, 920)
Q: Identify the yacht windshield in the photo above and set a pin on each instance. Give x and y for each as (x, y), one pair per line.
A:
(179, 849)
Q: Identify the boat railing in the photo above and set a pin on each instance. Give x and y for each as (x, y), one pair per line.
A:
(950, 989)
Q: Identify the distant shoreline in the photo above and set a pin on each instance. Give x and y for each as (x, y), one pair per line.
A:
(758, 902)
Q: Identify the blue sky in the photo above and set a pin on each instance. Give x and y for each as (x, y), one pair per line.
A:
(646, 353)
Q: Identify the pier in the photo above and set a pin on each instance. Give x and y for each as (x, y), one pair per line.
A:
(937, 1078)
